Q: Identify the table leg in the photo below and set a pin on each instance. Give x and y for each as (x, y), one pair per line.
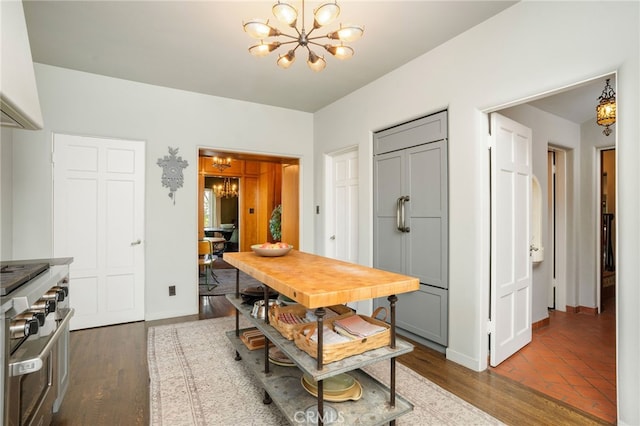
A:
(320, 313)
(237, 311)
(392, 305)
(266, 321)
(238, 357)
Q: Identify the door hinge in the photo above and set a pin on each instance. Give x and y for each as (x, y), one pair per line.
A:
(490, 327)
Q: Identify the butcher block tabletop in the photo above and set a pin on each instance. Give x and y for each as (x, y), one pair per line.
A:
(316, 281)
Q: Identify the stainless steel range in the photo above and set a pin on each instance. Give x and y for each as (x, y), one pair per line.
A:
(34, 303)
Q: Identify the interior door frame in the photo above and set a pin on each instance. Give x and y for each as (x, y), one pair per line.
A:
(560, 246)
(598, 219)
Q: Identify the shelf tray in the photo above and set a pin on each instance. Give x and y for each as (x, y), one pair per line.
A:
(283, 384)
(309, 364)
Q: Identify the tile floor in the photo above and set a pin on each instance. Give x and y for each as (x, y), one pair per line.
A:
(572, 359)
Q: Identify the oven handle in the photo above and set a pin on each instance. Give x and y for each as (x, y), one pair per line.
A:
(33, 364)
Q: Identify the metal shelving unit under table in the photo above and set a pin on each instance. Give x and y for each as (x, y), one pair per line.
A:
(379, 403)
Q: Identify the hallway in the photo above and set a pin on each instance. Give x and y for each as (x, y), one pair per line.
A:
(573, 359)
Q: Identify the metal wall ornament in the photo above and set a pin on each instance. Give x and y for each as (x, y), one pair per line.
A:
(172, 167)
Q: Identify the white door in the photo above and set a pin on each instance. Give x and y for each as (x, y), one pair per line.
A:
(511, 266)
(98, 204)
(342, 208)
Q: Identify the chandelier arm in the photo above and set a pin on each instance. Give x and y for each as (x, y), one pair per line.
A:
(290, 36)
(290, 42)
(317, 37)
(314, 43)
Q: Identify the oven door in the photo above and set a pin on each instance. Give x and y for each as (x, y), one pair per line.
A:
(33, 376)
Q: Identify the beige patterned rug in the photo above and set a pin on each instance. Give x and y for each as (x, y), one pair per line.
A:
(196, 381)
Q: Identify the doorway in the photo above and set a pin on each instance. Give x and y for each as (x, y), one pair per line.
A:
(607, 171)
(263, 185)
(557, 235)
(572, 354)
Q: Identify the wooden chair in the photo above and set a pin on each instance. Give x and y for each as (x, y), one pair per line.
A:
(205, 262)
(218, 243)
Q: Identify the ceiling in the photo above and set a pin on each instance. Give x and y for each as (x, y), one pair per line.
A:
(201, 47)
(576, 103)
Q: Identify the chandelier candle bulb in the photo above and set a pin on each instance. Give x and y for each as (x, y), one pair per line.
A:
(286, 14)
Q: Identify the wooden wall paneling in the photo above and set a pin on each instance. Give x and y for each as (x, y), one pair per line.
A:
(252, 168)
(248, 226)
(290, 204)
(266, 200)
(270, 197)
(200, 205)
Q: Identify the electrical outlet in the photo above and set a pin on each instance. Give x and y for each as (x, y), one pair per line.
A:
(172, 290)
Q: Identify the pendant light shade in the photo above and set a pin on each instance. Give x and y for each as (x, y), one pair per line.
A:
(326, 14)
(260, 29)
(263, 49)
(341, 52)
(347, 33)
(285, 13)
(285, 61)
(606, 109)
(315, 62)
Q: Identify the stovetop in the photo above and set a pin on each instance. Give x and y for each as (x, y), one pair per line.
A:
(13, 276)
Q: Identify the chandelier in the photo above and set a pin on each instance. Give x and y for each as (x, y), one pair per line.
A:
(606, 109)
(221, 163)
(288, 15)
(225, 189)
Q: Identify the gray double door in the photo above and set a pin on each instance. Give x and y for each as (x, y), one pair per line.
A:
(411, 221)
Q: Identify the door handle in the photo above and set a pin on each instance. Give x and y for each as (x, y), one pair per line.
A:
(400, 213)
(404, 199)
(136, 242)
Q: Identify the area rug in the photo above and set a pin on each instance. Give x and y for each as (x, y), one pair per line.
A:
(226, 283)
(194, 380)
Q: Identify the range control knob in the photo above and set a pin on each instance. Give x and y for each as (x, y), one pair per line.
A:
(20, 328)
(39, 316)
(54, 294)
(45, 305)
(63, 289)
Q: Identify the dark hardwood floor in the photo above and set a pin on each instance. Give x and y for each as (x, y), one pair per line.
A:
(110, 381)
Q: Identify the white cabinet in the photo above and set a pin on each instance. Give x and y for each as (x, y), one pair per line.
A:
(19, 102)
(411, 220)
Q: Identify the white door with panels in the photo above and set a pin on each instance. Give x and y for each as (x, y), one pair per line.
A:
(511, 266)
(98, 204)
(342, 208)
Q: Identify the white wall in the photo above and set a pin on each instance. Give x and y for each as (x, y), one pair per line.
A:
(530, 48)
(81, 103)
(548, 129)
